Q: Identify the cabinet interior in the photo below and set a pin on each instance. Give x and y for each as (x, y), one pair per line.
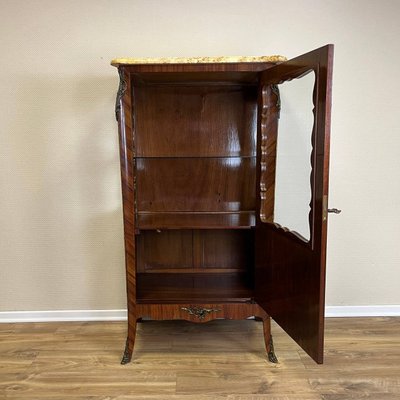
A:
(194, 264)
(195, 187)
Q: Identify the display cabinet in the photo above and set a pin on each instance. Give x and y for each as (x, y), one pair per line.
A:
(198, 167)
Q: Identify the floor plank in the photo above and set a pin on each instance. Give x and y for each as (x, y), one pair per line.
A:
(177, 360)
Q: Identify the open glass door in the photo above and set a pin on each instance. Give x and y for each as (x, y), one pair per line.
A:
(292, 196)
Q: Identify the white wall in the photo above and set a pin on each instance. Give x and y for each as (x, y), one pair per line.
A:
(60, 212)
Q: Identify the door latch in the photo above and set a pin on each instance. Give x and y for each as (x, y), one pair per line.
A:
(326, 210)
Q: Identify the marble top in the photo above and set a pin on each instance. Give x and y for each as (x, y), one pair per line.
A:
(198, 60)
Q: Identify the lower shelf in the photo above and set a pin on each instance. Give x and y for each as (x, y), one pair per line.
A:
(193, 288)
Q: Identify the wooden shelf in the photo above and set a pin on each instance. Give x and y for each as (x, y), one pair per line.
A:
(192, 287)
(201, 220)
(187, 155)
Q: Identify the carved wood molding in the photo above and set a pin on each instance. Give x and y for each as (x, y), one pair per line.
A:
(270, 108)
(121, 91)
(313, 160)
(270, 113)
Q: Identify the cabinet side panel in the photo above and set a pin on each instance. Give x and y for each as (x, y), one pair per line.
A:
(124, 106)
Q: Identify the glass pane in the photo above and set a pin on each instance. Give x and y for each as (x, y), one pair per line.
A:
(293, 156)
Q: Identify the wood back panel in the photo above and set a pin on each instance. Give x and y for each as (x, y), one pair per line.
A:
(223, 249)
(197, 250)
(205, 121)
(160, 251)
(195, 184)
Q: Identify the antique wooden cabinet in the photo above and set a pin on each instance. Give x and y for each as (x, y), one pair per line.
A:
(198, 154)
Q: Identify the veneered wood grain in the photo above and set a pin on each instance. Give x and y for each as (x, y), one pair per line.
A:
(160, 251)
(204, 121)
(290, 273)
(195, 184)
(195, 250)
(220, 310)
(227, 72)
(124, 107)
(232, 249)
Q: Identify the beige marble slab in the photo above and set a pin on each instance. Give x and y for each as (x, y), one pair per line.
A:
(198, 60)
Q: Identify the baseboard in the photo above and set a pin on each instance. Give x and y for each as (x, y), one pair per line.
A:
(121, 315)
(63, 315)
(363, 311)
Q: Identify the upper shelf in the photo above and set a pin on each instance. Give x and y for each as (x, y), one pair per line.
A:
(198, 60)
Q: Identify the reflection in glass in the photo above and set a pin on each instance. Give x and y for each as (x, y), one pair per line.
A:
(293, 163)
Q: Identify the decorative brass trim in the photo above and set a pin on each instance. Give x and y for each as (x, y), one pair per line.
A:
(275, 90)
(198, 312)
(121, 91)
(127, 356)
(271, 353)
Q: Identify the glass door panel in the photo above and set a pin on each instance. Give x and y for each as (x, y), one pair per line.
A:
(293, 156)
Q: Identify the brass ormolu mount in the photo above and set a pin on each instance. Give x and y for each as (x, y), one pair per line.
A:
(198, 312)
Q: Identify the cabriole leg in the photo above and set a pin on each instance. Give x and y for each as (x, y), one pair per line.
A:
(269, 345)
(130, 342)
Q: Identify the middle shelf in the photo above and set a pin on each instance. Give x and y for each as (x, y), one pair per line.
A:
(193, 220)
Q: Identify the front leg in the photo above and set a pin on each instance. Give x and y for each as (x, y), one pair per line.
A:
(269, 345)
(130, 342)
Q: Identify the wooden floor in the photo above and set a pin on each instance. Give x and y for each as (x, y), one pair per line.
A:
(183, 361)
